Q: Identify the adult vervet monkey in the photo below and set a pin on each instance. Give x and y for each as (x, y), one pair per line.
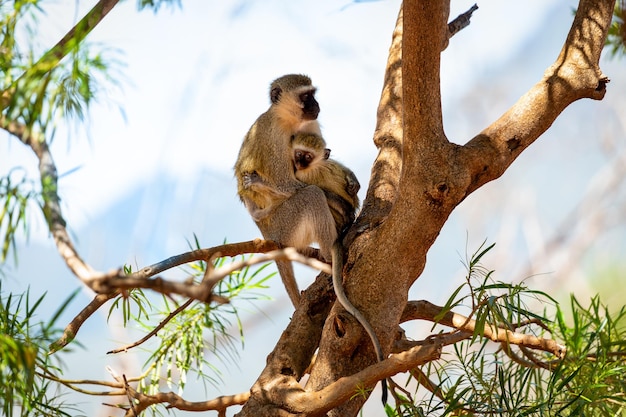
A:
(284, 208)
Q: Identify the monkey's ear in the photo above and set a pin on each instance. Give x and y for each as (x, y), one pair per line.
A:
(352, 184)
(275, 94)
(326, 153)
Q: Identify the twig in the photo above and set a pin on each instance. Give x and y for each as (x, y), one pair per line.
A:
(72, 384)
(153, 331)
(461, 21)
(425, 382)
(140, 401)
(129, 395)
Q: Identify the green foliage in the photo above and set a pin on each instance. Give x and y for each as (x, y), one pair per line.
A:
(39, 97)
(37, 92)
(592, 376)
(155, 5)
(616, 39)
(25, 389)
(481, 377)
(15, 192)
(194, 336)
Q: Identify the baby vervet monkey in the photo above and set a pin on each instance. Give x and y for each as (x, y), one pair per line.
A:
(294, 193)
(340, 185)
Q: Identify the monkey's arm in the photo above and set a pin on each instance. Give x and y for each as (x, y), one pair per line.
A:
(259, 197)
(335, 178)
(252, 182)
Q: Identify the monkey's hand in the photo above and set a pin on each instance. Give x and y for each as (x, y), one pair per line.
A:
(251, 178)
(254, 183)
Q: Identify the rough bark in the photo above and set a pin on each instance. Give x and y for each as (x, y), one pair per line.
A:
(417, 180)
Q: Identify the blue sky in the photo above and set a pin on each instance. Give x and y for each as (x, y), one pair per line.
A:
(194, 81)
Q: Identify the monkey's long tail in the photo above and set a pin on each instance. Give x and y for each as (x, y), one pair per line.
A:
(337, 267)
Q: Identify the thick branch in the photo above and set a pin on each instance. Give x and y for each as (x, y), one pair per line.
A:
(383, 187)
(575, 74)
(283, 394)
(174, 400)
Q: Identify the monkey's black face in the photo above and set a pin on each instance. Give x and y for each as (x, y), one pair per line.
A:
(302, 159)
(310, 106)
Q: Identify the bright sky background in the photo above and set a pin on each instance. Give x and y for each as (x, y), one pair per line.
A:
(195, 80)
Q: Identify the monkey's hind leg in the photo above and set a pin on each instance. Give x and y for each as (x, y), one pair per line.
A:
(302, 219)
(285, 269)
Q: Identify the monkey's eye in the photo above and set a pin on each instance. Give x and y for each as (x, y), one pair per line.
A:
(305, 97)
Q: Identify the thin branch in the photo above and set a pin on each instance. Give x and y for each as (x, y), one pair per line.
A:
(530, 355)
(51, 201)
(393, 387)
(173, 400)
(118, 281)
(436, 390)
(70, 331)
(129, 395)
(154, 331)
(424, 310)
(443, 339)
(229, 249)
(72, 384)
(140, 401)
